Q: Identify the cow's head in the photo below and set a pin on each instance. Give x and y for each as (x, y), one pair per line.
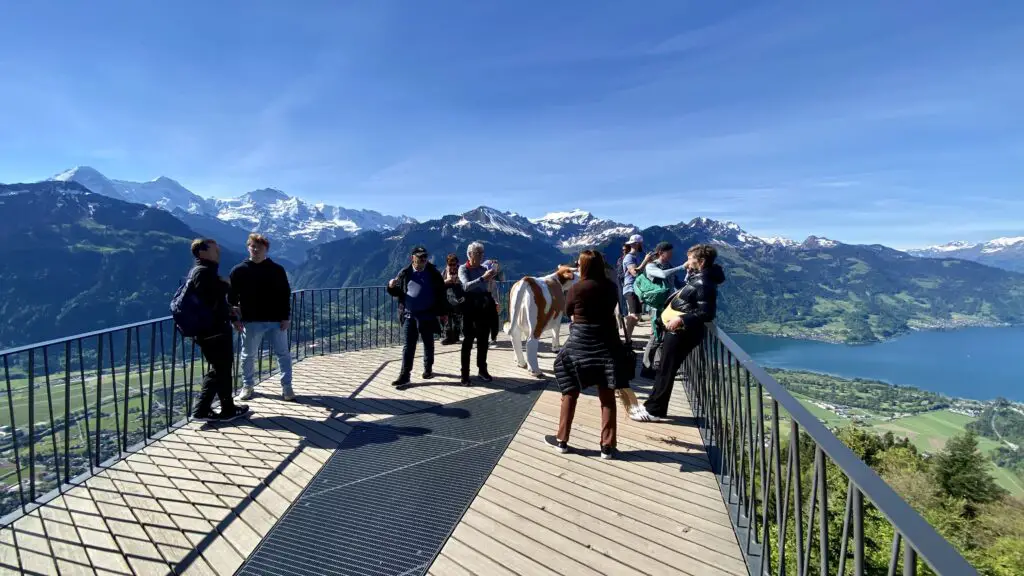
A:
(567, 276)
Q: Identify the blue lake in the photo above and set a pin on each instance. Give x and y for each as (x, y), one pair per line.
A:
(981, 363)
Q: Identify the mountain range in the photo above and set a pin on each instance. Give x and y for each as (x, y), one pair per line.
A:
(1005, 253)
(81, 260)
(293, 224)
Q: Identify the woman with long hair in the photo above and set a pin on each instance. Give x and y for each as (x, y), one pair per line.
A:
(594, 354)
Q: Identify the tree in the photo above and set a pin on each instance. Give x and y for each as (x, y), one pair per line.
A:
(961, 471)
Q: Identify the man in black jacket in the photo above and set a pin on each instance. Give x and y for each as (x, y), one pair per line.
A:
(420, 290)
(214, 343)
(259, 287)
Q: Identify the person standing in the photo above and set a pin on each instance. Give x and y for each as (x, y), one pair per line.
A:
(593, 354)
(420, 290)
(453, 289)
(659, 270)
(632, 264)
(694, 305)
(260, 290)
(479, 310)
(214, 339)
(492, 287)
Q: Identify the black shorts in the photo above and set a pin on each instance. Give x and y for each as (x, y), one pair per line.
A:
(633, 303)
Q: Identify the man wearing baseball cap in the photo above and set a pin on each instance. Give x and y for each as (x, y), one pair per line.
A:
(632, 264)
(419, 288)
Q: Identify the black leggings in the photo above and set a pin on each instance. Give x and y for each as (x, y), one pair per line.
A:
(476, 327)
(674, 349)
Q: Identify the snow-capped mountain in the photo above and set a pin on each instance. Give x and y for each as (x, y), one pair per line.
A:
(1006, 252)
(162, 192)
(578, 228)
(497, 221)
(274, 213)
(294, 223)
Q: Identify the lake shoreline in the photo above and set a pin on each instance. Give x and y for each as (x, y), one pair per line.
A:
(968, 363)
(828, 339)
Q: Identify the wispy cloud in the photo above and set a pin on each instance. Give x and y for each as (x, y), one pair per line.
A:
(866, 121)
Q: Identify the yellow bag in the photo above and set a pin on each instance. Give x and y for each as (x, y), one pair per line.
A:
(669, 314)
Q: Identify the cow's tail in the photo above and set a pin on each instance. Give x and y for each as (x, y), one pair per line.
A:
(516, 305)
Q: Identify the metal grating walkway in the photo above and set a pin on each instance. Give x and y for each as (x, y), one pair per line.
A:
(390, 496)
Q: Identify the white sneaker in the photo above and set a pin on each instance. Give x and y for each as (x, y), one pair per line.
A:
(639, 414)
(245, 393)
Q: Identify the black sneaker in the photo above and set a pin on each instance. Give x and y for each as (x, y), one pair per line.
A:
(607, 452)
(427, 374)
(483, 375)
(204, 416)
(558, 445)
(465, 381)
(240, 411)
(402, 380)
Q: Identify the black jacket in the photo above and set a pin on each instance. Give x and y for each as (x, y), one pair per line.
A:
(212, 291)
(261, 291)
(698, 299)
(440, 307)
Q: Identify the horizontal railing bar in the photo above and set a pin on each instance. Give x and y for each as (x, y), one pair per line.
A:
(103, 331)
(932, 547)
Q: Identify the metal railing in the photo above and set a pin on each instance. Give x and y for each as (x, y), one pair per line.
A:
(76, 405)
(737, 408)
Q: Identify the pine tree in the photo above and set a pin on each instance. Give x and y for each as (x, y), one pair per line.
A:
(961, 471)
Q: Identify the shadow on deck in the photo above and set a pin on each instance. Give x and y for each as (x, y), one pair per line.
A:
(359, 478)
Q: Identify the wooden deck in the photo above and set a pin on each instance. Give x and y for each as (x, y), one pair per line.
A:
(199, 500)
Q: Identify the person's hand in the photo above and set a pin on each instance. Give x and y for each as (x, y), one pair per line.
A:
(498, 306)
(392, 282)
(238, 326)
(674, 324)
(285, 324)
(490, 274)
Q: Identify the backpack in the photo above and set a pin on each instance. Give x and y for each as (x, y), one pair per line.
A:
(191, 316)
(619, 272)
(653, 294)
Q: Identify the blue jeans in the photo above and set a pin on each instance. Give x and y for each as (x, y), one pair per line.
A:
(252, 336)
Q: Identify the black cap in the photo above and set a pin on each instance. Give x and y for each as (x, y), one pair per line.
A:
(418, 251)
(662, 247)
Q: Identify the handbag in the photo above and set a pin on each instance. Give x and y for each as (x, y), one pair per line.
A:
(625, 368)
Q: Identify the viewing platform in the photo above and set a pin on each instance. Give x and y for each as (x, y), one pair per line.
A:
(227, 498)
(357, 477)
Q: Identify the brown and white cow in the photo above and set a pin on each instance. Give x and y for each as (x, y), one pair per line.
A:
(537, 305)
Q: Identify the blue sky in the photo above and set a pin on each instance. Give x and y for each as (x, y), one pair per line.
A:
(892, 122)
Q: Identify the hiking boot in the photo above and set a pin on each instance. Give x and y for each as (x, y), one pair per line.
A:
(402, 380)
(288, 395)
(427, 374)
(465, 381)
(484, 375)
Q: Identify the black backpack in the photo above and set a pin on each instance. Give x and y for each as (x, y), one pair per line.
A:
(191, 316)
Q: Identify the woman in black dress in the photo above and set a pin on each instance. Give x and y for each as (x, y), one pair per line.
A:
(593, 354)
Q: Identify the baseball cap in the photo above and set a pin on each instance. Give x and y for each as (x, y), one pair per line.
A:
(418, 251)
(635, 239)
